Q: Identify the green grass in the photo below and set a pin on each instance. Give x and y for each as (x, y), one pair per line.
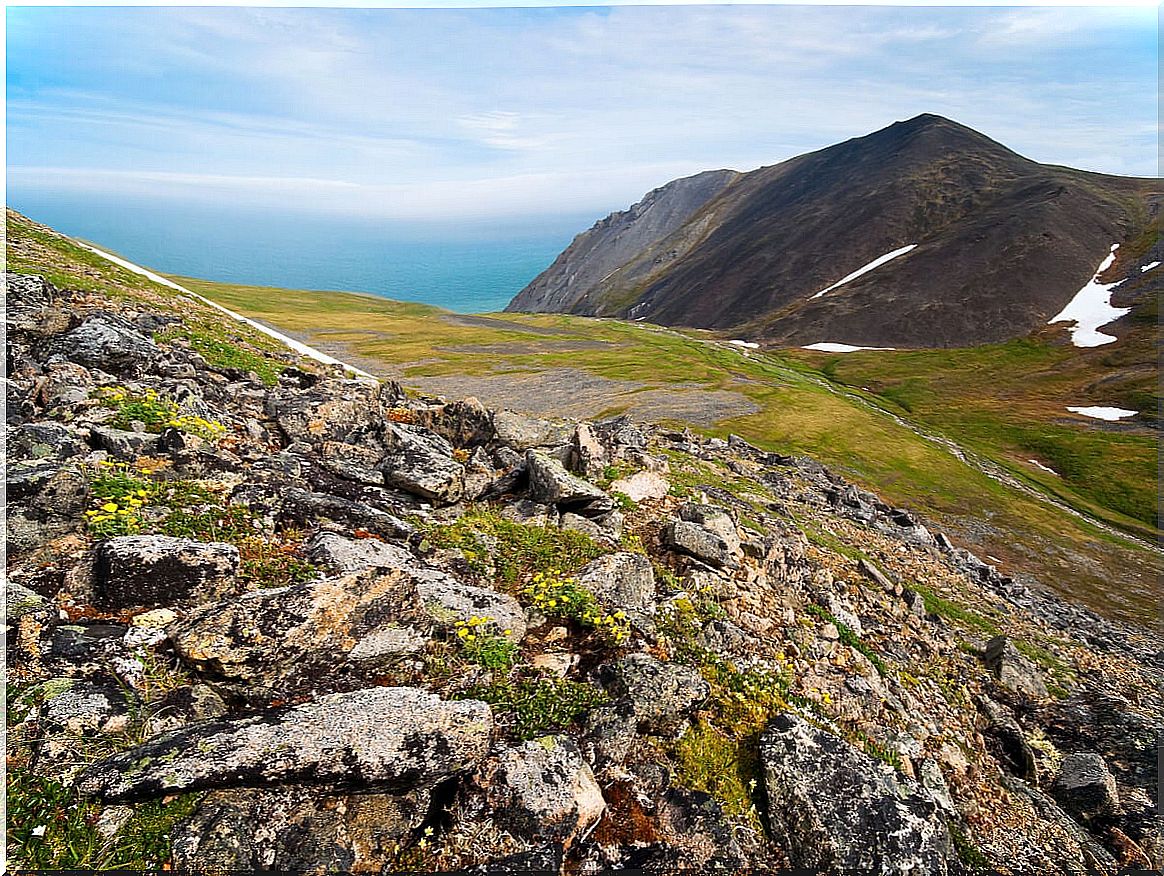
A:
(1003, 402)
(530, 708)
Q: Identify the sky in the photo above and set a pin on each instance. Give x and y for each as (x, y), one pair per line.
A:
(447, 114)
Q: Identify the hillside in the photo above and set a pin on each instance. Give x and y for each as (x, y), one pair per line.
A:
(999, 244)
(265, 614)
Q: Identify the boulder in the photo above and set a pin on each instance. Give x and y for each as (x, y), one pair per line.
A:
(543, 789)
(296, 829)
(466, 423)
(696, 541)
(388, 738)
(421, 462)
(715, 520)
(661, 694)
(326, 410)
(587, 456)
(122, 443)
(641, 486)
(550, 483)
(522, 433)
(1085, 787)
(1014, 671)
(20, 601)
(352, 462)
(624, 581)
(157, 570)
(834, 809)
(99, 343)
(78, 706)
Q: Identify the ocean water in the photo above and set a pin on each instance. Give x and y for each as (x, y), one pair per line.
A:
(470, 267)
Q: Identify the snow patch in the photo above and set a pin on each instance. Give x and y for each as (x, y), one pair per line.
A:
(748, 345)
(1149, 267)
(1091, 308)
(830, 347)
(876, 263)
(298, 346)
(1101, 413)
(1038, 464)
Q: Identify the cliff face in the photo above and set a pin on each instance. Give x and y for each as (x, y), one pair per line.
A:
(600, 260)
(999, 245)
(264, 615)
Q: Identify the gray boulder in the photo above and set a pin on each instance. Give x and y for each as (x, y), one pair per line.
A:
(421, 462)
(122, 443)
(551, 484)
(98, 343)
(352, 462)
(1014, 671)
(19, 601)
(521, 432)
(625, 581)
(587, 456)
(327, 410)
(464, 423)
(699, 542)
(157, 570)
(1085, 786)
(544, 789)
(661, 694)
(834, 809)
(78, 706)
(387, 738)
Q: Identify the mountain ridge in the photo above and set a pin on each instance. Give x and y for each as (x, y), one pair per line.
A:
(1011, 239)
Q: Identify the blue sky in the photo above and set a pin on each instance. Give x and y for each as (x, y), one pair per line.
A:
(472, 113)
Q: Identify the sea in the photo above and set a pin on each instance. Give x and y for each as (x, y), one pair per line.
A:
(467, 266)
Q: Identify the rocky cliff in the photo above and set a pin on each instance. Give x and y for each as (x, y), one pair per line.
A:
(262, 615)
(989, 245)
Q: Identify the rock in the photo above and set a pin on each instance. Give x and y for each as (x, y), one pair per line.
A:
(623, 581)
(80, 643)
(550, 483)
(523, 433)
(715, 520)
(641, 486)
(296, 829)
(661, 694)
(121, 443)
(693, 540)
(328, 410)
(1014, 671)
(79, 706)
(544, 789)
(698, 833)
(43, 440)
(388, 738)
(20, 601)
(466, 423)
(157, 570)
(588, 456)
(1085, 786)
(834, 809)
(584, 525)
(421, 462)
(1008, 742)
(97, 343)
(352, 461)
(529, 513)
(295, 635)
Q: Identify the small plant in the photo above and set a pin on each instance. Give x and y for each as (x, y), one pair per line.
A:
(118, 497)
(484, 647)
(270, 563)
(155, 412)
(535, 707)
(559, 596)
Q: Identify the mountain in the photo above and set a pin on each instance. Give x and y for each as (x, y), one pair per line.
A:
(1000, 244)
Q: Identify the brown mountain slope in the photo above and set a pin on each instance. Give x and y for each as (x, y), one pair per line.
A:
(1002, 243)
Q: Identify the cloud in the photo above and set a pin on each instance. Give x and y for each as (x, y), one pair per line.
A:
(527, 109)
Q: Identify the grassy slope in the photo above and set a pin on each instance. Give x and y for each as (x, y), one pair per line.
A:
(798, 414)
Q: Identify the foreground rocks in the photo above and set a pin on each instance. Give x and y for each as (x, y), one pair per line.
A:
(319, 644)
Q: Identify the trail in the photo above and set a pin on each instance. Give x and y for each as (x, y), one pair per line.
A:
(298, 346)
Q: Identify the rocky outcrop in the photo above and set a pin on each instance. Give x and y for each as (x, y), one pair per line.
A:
(391, 738)
(155, 570)
(837, 810)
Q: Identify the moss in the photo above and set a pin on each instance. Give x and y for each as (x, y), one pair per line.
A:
(707, 759)
(514, 550)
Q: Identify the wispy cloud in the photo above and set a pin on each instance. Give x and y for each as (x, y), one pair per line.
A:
(403, 112)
